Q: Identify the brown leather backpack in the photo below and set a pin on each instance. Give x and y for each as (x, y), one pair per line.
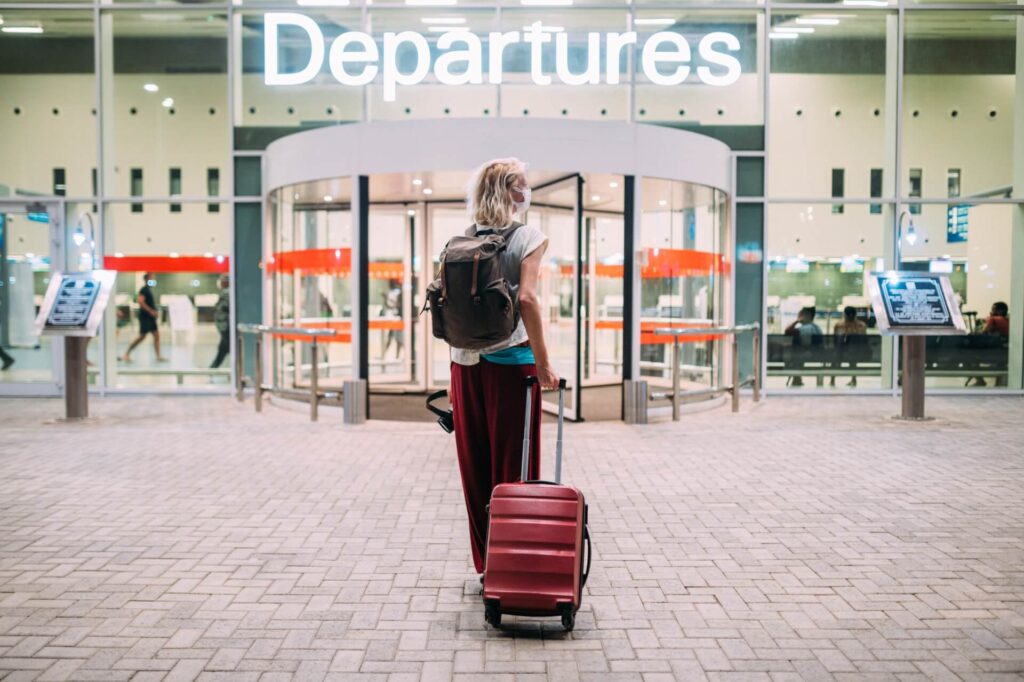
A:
(471, 303)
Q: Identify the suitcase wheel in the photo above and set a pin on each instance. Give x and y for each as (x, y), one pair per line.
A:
(568, 619)
(492, 614)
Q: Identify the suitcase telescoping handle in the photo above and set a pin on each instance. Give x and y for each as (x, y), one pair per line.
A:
(531, 386)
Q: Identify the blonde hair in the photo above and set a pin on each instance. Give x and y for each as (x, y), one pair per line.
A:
(489, 198)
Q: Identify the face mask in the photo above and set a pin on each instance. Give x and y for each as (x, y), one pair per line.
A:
(523, 206)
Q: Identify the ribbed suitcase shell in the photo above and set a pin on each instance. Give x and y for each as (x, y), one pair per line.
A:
(535, 548)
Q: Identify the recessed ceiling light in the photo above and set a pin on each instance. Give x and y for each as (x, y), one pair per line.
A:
(417, 182)
(168, 102)
(22, 29)
(173, 254)
(662, 202)
(613, 184)
(817, 21)
(595, 197)
(783, 36)
(328, 198)
(411, 211)
(151, 87)
(794, 29)
(427, 190)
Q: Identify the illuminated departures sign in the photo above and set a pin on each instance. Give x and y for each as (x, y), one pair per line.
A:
(356, 59)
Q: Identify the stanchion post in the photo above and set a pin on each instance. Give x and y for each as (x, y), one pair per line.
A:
(735, 372)
(913, 377)
(257, 364)
(313, 389)
(239, 366)
(757, 362)
(675, 378)
(76, 378)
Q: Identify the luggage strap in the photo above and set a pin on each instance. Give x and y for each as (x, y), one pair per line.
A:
(445, 418)
(590, 555)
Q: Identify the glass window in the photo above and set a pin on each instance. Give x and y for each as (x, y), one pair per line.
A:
(685, 265)
(975, 252)
(136, 174)
(565, 33)
(876, 189)
(828, 100)
(722, 90)
(174, 187)
(47, 101)
(820, 328)
(184, 255)
(838, 181)
(958, 100)
(310, 272)
(168, 98)
(270, 111)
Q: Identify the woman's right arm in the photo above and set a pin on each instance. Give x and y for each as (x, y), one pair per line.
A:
(533, 320)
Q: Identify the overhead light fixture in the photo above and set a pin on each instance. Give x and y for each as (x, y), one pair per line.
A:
(168, 102)
(817, 21)
(431, 3)
(22, 29)
(322, 3)
(151, 87)
(794, 29)
(596, 197)
(428, 191)
(446, 21)
(783, 36)
(328, 198)
(613, 184)
(417, 182)
(653, 22)
(662, 202)
(911, 235)
(411, 212)
(208, 254)
(118, 254)
(173, 254)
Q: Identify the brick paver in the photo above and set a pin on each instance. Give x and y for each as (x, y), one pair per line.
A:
(808, 538)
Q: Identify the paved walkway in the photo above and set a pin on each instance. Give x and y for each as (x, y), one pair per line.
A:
(807, 538)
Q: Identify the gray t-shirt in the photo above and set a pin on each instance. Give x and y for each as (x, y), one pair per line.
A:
(524, 241)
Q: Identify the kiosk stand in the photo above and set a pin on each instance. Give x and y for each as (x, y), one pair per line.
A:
(73, 308)
(914, 305)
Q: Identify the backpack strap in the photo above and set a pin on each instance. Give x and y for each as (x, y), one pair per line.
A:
(473, 230)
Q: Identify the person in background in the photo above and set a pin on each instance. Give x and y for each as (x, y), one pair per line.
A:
(998, 321)
(148, 315)
(803, 330)
(997, 324)
(222, 320)
(845, 328)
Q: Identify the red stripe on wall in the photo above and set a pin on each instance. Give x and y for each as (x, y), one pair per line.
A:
(216, 264)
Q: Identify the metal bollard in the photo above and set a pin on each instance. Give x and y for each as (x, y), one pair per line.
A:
(735, 372)
(239, 366)
(314, 375)
(258, 371)
(757, 363)
(675, 379)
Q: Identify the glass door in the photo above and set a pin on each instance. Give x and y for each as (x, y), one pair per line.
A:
(555, 210)
(31, 248)
(444, 220)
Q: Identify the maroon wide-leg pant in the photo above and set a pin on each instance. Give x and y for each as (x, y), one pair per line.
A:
(489, 406)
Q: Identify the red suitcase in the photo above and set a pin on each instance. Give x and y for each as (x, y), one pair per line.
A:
(535, 540)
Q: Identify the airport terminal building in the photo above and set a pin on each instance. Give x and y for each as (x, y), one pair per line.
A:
(693, 165)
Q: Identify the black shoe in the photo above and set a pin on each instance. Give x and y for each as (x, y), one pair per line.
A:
(8, 361)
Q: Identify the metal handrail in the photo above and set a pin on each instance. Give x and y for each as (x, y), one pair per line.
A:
(258, 330)
(736, 385)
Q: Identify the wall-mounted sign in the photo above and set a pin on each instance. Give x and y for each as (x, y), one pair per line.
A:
(356, 59)
(956, 223)
(74, 303)
(915, 303)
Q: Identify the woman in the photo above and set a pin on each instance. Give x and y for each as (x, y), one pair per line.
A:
(487, 386)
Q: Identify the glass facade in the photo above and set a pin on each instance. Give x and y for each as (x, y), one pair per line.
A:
(868, 134)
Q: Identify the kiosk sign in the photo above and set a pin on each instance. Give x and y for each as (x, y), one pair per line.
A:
(915, 303)
(74, 303)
